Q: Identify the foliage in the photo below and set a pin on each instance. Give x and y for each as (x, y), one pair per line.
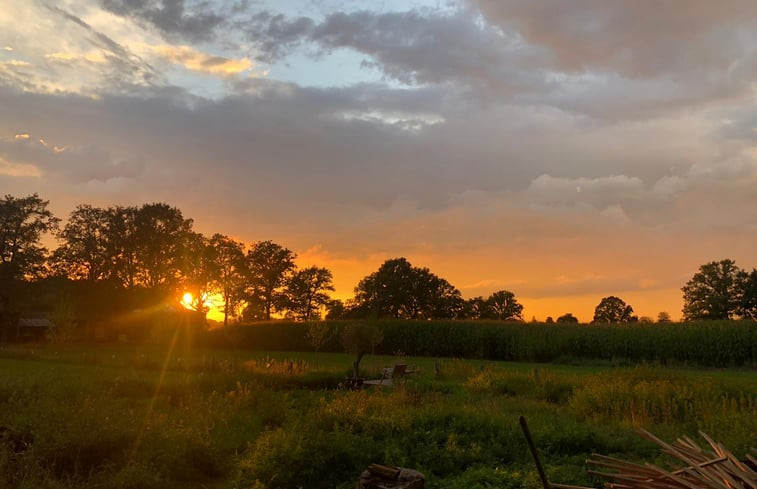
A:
(306, 292)
(83, 253)
(147, 246)
(269, 266)
(162, 237)
(475, 308)
(318, 334)
(63, 317)
(568, 318)
(713, 292)
(23, 221)
(748, 284)
(112, 417)
(199, 270)
(663, 317)
(399, 290)
(231, 269)
(503, 305)
(335, 309)
(613, 310)
(360, 339)
(708, 343)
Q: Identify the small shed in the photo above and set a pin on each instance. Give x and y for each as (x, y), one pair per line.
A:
(33, 328)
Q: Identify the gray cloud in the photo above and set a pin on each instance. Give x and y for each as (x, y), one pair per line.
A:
(276, 36)
(194, 21)
(77, 164)
(658, 54)
(124, 68)
(632, 38)
(413, 47)
(615, 60)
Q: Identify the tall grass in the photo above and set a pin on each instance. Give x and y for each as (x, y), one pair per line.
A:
(268, 421)
(710, 343)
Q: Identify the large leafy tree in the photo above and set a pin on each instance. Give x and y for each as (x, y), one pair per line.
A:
(399, 290)
(568, 318)
(231, 272)
(84, 253)
(714, 292)
(306, 292)
(613, 310)
(23, 221)
(503, 305)
(269, 266)
(121, 243)
(199, 270)
(162, 236)
(475, 308)
(748, 285)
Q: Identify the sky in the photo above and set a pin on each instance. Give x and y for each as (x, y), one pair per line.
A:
(565, 151)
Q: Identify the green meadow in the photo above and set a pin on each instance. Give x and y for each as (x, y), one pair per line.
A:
(163, 417)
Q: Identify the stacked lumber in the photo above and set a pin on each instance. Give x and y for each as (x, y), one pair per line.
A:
(383, 477)
(691, 467)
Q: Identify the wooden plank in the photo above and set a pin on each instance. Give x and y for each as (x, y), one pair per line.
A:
(534, 453)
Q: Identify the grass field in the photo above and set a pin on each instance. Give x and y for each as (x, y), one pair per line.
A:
(138, 417)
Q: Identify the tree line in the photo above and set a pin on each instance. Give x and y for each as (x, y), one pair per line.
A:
(124, 257)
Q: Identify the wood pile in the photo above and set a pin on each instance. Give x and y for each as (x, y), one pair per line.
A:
(383, 477)
(692, 467)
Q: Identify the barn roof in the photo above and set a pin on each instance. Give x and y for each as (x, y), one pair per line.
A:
(35, 323)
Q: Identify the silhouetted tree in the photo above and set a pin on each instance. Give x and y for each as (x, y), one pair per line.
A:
(714, 292)
(748, 285)
(475, 308)
(567, 318)
(335, 309)
(23, 221)
(613, 310)
(199, 270)
(231, 272)
(399, 290)
(663, 317)
(360, 339)
(549, 320)
(306, 292)
(503, 305)
(121, 243)
(646, 320)
(83, 253)
(162, 236)
(269, 266)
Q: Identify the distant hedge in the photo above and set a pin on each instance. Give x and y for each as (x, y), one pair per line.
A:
(706, 343)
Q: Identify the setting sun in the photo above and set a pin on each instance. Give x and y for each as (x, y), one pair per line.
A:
(187, 300)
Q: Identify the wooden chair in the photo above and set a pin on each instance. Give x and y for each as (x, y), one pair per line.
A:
(389, 375)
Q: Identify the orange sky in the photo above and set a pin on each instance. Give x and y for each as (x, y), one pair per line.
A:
(565, 151)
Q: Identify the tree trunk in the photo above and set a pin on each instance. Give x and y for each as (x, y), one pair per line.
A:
(356, 365)
(226, 309)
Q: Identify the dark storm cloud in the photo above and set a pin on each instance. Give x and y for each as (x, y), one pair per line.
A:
(194, 21)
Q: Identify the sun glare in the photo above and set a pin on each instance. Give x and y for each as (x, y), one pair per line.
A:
(187, 300)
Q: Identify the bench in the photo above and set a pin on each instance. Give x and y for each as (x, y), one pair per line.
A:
(389, 375)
